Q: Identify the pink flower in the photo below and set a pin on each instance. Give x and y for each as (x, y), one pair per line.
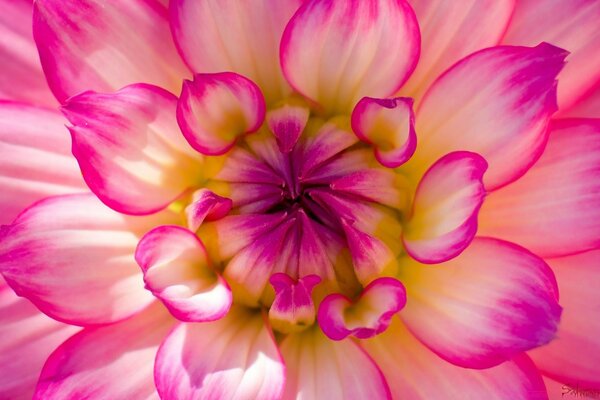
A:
(318, 199)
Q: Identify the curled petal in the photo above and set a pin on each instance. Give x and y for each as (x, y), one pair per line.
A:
(293, 308)
(208, 206)
(287, 123)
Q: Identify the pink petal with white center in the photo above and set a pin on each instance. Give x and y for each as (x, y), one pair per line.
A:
(28, 338)
(229, 35)
(554, 209)
(92, 44)
(368, 316)
(73, 258)
(130, 149)
(451, 30)
(215, 109)
(233, 358)
(293, 308)
(388, 125)
(375, 184)
(176, 271)
(335, 52)
(496, 102)
(208, 206)
(414, 372)
(445, 208)
(287, 123)
(572, 25)
(317, 367)
(108, 362)
(575, 354)
(492, 302)
(35, 158)
(22, 78)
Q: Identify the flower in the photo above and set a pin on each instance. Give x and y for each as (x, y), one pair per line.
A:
(319, 199)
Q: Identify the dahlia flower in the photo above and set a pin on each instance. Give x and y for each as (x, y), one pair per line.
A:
(320, 199)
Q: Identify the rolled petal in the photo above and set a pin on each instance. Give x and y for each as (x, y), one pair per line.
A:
(130, 149)
(91, 44)
(73, 258)
(554, 209)
(575, 354)
(243, 37)
(215, 109)
(293, 308)
(287, 124)
(389, 125)
(414, 372)
(111, 362)
(572, 25)
(208, 206)
(445, 208)
(176, 270)
(366, 317)
(496, 102)
(35, 158)
(235, 357)
(336, 52)
(492, 302)
(317, 367)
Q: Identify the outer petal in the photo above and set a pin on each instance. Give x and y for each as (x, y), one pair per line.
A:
(496, 102)
(235, 357)
(445, 208)
(575, 355)
(572, 25)
(130, 149)
(112, 362)
(588, 106)
(103, 46)
(73, 257)
(336, 52)
(318, 368)
(414, 372)
(229, 35)
(492, 302)
(35, 159)
(555, 208)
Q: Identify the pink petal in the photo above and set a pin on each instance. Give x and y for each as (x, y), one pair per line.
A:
(496, 102)
(176, 270)
(560, 391)
(575, 355)
(92, 44)
(370, 315)
(215, 109)
(235, 357)
(287, 124)
(492, 302)
(229, 35)
(130, 149)
(73, 258)
(378, 185)
(293, 308)
(572, 25)
(319, 368)
(110, 362)
(587, 106)
(389, 125)
(414, 372)
(206, 205)
(554, 209)
(35, 158)
(335, 53)
(445, 208)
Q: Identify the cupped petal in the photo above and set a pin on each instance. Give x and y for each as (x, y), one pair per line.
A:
(445, 208)
(177, 271)
(108, 362)
(235, 357)
(496, 102)
(95, 45)
(572, 25)
(215, 109)
(229, 35)
(287, 124)
(293, 308)
(414, 372)
(492, 302)
(73, 257)
(317, 367)
(208, 206)
(336, 52)
(554, 209)
(35, 158)
(130, 149)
